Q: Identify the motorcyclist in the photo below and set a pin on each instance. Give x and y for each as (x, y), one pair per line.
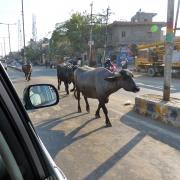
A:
(109, 65)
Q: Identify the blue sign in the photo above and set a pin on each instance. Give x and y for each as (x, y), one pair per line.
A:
(124, 53)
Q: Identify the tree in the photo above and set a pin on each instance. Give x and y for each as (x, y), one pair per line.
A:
(71, 37)
(33, 51)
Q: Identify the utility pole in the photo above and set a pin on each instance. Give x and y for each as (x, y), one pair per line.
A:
(34, 29)
(19, 36)
(9, 39)
(4, 42)
(106, 34)
(177, 14)
(91, 42)
(2, 50)
(24, 59)
(90, 38)
(169, 50)
(9, 34)
(4, 46)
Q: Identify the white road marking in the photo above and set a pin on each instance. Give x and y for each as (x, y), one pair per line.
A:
(151, 86)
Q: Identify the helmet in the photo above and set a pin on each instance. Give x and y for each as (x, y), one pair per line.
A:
(108, 59)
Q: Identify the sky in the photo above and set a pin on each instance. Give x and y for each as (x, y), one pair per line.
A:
(50, 12)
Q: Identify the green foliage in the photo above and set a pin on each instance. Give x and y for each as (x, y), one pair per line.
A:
(33, 51)
(71, 37)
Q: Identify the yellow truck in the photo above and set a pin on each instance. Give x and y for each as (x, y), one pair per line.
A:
(150, 58)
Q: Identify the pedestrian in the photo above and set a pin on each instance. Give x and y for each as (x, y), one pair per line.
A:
(124, 63)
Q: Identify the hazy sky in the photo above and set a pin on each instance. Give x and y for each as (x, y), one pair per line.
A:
(50, 12)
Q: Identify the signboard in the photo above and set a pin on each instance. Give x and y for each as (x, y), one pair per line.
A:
(90, 43)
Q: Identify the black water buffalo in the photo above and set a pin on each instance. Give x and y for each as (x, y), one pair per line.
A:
(99, 84)
(27, 69)
(65, 73)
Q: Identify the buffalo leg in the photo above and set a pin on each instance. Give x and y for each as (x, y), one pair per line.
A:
(87, 104)
(59, 83)
(26, 76)
(97, 111)
(73, 87)
(29, 76)
(66, 87)
(108, 123)
(78, 97)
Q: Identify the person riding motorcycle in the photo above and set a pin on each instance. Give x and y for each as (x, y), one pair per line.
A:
(109, 65)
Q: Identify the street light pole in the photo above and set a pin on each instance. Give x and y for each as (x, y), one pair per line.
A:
(4, 42)
(106, 34)
(90, 40)
(4, 46)
(1, 49)
(9, 39)
(169, 50)
(9, 34)
(24, 59)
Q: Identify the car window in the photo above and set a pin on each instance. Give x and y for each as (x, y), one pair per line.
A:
(9, 141)
(3, 170)
(116, 68)
(8, 166)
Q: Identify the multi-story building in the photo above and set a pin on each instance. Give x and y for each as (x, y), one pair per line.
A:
(138, 30)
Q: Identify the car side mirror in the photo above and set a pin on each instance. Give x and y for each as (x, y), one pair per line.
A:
(40, 96)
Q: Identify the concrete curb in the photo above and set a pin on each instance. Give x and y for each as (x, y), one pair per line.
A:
(152, 105)
(16, 68)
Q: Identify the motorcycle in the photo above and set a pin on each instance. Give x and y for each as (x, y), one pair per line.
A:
(110, 66)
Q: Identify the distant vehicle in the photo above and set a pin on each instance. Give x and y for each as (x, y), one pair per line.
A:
(151, 58)
(3, 61)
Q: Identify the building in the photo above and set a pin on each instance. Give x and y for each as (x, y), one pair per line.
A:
(137, 31)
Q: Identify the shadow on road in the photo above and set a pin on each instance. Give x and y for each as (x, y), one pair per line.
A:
(109, 163)
(158, 130)
(56, 140)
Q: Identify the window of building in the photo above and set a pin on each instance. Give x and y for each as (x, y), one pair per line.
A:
(123, 34)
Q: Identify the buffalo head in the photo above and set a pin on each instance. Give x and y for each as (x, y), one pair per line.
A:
(124, 79)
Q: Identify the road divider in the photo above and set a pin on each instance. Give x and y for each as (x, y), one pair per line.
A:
(153, 106)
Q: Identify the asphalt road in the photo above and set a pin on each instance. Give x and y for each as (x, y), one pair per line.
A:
(135, 148)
